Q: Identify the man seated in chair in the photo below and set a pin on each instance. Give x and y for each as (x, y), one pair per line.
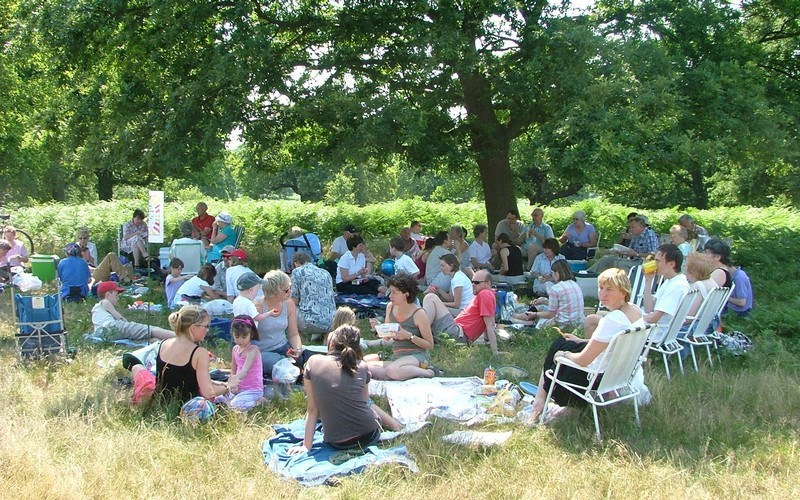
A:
(186, 229)
(643, 243)
(661, 307)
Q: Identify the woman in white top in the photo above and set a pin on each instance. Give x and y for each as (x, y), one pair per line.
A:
(461, 248)
(542, 265)
(614, 291)
(460, 294)
(352, 275)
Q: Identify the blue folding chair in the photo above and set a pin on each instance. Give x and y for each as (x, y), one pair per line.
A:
(40, 323)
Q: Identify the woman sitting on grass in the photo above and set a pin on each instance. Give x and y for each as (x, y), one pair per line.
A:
(541, 269)
(460, 294)
(411, 353)
(614, 291)
(337, 393)
(182, 366)
(564, 302)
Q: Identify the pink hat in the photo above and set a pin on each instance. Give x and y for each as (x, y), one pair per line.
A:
(239, 253)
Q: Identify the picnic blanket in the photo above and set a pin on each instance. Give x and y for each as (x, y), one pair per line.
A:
(323, 463)
(363, 305)
(414, 400)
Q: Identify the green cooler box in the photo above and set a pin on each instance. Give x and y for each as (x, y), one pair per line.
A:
(44, 266)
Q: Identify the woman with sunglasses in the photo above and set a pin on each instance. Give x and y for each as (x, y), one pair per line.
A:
(182, 365)
(278, 336)
(578, 237)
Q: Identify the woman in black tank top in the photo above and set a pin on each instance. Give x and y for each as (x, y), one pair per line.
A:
(182, 366)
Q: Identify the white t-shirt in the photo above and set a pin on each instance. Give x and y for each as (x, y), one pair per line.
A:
(608, 328)
(191, 287)
(405, 264)
(101, 317)
(232, 275)
(668, 298)
(352, 264)
(339, 246)
(481, 252)
(461, 280)
(243, 305)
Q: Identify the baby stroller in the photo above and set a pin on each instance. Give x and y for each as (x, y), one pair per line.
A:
(40, 325)
(307, 242)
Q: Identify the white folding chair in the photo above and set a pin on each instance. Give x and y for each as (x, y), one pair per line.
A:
(667, 342)
(624, 354)
(190, 254)
(714, 334)
(636, 277)
(697, 335)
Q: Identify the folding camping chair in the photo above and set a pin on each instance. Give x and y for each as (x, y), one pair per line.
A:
(190, 254)
(637, 278)
(625, 353)
(667, 342)
(307, 243)
(40, 325)
(702, 321)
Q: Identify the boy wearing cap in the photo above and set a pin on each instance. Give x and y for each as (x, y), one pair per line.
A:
(248, 285)
(110, 324)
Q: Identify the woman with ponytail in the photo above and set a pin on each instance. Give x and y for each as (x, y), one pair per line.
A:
(337, 393)
(181, 364)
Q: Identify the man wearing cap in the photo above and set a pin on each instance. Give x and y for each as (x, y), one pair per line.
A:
(222, 234)
(339, 246)
(204, 222)
(237, 267)
(222, 269)
(312, 292)
(110, 324)
(186, 239)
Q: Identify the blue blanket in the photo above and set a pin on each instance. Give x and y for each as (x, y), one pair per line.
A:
(323, 463)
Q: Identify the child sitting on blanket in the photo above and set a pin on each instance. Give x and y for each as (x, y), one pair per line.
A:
(246, 382)
(337, 393)
(110, 324)
(346, 316)
(174, 280)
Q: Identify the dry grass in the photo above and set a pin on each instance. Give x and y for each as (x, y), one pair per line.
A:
(67, 431)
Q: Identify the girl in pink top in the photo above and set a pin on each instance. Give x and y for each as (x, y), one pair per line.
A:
(246, 382)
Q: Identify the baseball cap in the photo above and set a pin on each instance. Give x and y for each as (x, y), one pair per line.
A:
(227, 249)
(224, 217)
(351, 228)
(239, 253)
(108, 286)
(247, 281)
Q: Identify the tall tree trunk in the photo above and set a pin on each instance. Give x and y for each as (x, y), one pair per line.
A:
(490, 143)
(699, 187)
(498, 187)
(105, 185)
(55, 177)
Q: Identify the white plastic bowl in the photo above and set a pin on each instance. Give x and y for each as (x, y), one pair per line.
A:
(387, 330)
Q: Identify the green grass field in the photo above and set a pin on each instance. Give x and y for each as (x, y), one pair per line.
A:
(68, 431)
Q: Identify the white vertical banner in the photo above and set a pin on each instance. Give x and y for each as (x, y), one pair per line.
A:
(155, 217)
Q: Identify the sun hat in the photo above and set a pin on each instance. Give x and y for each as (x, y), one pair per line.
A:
(224, 217)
